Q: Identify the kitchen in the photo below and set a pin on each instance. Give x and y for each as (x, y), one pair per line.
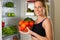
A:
(12, 15)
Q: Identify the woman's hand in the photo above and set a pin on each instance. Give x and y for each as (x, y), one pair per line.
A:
(24, 32)
(30, 32)
(21, 31)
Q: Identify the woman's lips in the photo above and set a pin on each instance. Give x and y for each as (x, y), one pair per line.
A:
(38, 12)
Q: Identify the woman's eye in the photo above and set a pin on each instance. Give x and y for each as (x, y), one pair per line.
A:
(39, 7)
(35, 7)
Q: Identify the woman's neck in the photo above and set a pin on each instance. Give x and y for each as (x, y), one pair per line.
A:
(41, 17)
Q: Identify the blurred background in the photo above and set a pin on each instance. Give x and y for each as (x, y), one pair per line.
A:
(15, 10)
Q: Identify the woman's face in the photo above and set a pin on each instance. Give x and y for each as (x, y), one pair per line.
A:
(38, 8)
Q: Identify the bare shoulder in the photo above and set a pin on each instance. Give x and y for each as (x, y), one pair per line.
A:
(47, 22)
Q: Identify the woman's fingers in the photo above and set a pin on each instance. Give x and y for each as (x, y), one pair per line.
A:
(22, 32)
(27, 28)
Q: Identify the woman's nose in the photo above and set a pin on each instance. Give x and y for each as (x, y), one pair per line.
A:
(37, 9)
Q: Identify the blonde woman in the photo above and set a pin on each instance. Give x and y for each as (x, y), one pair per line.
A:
(42, 29)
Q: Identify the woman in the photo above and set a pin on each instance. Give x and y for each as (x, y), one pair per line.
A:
(42, 29)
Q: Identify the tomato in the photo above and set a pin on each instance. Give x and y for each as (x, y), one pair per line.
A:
(31, 23)
(23, 26)
(26, 23)
(21, 29)
(21, 21)
(26, 30)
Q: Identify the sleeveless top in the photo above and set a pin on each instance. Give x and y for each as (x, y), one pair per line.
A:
(38, 28)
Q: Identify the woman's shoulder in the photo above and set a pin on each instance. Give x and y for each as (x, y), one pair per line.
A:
(47, 23)
(47, 20)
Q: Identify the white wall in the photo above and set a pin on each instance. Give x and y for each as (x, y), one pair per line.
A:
(57, 19)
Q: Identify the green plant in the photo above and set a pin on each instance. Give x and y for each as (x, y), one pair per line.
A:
(9, 30)
(9, 4)
(28, 19)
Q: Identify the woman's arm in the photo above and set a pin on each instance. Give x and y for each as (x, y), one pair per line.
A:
(48, 30)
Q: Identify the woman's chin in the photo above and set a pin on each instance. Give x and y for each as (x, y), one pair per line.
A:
(37, 14)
